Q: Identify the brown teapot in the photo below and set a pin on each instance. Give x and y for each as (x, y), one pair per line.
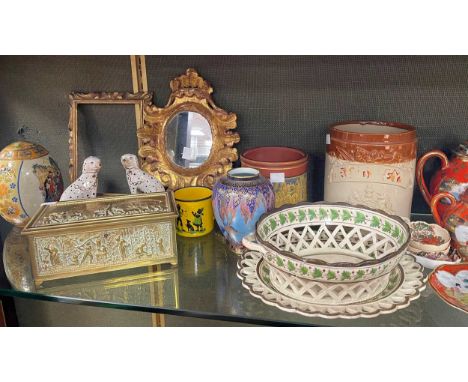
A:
(454, 219)
(451, 178)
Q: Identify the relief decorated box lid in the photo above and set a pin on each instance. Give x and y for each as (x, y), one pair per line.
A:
(109, 209)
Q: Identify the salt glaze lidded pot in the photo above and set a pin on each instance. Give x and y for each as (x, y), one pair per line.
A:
(371, 163)
(28, 178)
(239, 199)
(451, 178)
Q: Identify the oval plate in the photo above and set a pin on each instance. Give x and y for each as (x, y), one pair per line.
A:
(452, 295)
(398, 296)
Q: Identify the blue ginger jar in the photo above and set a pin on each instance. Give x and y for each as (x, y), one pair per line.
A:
(239, 199)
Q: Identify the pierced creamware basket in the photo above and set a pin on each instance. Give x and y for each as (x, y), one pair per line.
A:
(332, 242)
(332, 253)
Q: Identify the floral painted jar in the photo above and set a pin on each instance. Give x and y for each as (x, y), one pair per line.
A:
(371, 164)
(239, 199)
(286, 168)
(28, 178)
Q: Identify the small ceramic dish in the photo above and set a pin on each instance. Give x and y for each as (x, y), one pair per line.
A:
(330, 242)
(427, 237)
(433, 254)
(450, 282)
(432, 260)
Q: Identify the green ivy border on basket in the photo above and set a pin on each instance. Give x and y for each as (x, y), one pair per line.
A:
(310, 213)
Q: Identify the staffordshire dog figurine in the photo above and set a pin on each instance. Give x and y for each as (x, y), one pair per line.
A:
(85, 187)
(138, 180)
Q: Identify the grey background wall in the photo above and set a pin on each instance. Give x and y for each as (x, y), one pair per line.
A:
(279, 100)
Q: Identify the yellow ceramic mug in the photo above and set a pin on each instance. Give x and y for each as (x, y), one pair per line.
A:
(195, 211)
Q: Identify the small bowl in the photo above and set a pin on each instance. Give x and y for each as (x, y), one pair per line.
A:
(418, 250)
(427, 237)
(424, 258)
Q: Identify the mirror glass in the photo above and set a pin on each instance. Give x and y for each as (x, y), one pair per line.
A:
(188, 139)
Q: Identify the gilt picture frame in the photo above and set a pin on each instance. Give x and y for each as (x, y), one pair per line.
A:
(141, 100)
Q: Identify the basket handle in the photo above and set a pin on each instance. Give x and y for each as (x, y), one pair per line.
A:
(251, 243)
(420, 168)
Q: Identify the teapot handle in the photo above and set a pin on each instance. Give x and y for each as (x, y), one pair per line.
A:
(435, 200)
(420, 167)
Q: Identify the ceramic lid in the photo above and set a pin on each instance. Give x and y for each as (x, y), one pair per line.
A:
(23, 150)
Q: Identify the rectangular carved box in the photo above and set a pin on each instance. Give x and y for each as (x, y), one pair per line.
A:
(82, 237)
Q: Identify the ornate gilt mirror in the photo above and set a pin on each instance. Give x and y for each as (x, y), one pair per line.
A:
(190, 141)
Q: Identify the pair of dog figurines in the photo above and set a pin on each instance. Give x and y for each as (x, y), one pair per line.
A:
(85, 187)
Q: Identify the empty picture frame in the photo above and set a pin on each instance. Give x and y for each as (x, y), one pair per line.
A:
(141, 100)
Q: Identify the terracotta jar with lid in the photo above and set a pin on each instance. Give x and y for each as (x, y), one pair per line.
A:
(285, 167)
(371, 163)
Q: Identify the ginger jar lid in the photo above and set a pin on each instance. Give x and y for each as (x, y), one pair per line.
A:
(23, 150)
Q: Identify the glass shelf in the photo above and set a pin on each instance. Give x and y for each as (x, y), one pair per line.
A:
(203, 285)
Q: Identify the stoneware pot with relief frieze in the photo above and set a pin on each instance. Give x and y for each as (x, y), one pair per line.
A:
(28, 178)
(372, 164)
(454, 218)
(239, 199)
(452, 176)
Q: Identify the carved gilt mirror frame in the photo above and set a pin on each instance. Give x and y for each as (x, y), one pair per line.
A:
(141, 100)
(190, 93)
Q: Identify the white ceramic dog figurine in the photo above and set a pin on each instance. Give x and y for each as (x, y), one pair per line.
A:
(138, 180)
(85, 187)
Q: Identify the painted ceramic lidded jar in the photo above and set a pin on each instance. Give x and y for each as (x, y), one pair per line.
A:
(28, 178)
(239, 199)
(286, 167)
(454, 218)
(371, 163)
